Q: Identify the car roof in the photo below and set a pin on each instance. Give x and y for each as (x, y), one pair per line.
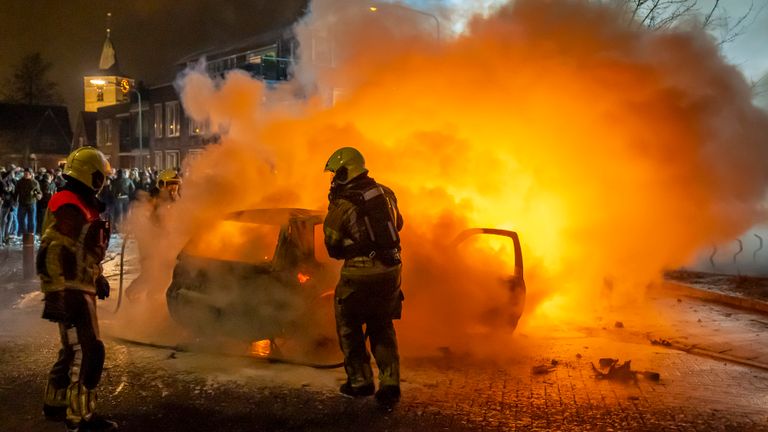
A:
(276, 216)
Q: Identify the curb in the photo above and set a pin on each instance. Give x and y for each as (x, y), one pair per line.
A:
(717, 297)
(694, 350)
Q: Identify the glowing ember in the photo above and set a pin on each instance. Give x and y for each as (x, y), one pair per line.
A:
(302, 277)
(261, 348)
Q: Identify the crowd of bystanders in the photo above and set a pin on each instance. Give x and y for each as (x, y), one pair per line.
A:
(24, 196)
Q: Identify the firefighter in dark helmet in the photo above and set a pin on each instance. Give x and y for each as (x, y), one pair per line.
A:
(73, 244)
(361, 228)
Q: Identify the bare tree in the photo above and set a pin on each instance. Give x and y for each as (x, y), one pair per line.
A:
(760, 91)
(660, 14)
(29, 82)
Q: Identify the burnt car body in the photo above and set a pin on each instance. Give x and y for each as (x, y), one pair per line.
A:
(226, 283)
(510, 311)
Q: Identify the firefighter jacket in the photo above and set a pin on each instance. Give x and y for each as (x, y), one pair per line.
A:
(362, 226)
(73, 243)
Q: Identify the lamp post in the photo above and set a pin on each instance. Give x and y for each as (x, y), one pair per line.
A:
(418, 11)
(141, 130)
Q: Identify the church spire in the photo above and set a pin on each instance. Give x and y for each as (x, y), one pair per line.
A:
(108, 61)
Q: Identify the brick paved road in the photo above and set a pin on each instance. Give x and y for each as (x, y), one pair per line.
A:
(148, 389)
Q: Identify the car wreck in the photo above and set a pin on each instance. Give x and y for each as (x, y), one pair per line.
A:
(264, 274)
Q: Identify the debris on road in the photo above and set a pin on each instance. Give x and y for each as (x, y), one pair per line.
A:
(619, 324)
(621, 372)
(544, 368)
(662, 342)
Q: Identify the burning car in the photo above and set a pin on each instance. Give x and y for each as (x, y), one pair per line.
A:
(264, 274)
(258, 274)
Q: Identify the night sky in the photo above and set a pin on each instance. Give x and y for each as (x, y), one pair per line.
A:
(150, 36)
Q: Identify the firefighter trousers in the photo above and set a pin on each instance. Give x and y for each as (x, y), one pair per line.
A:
(73, 378)
(365, 308)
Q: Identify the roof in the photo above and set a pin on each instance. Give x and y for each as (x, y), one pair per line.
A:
(275, 216)
(254, 42)
(45, 128)
(275, 23)
(108, 61)
(25, 116)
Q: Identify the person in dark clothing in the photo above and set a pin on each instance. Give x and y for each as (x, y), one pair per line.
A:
(28, 192)
(74, 243)
(48, 188)
(361, 228)
(8, 195)
(106, 197)
(58, 179)
(122, 189)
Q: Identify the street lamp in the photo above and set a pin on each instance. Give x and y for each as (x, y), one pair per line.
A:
(141, 125)
(418, 11)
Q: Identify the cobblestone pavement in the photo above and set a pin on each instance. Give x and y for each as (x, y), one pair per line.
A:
(148, 389)
(154, 389)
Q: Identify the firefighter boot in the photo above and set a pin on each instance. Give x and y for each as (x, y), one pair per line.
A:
(364, 390)
(81, 416)
(55, 403)
(388, 396)
(95, 424)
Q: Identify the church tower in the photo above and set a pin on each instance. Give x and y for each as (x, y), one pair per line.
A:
(108, 86)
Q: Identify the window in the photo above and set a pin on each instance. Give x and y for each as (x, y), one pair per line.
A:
(159, 160)
(172, 124)
(171, 159)
(158, 121)
(193, 154)
(103, 133)
(197, 127)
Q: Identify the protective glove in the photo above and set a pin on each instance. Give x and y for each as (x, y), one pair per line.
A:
(102, 287)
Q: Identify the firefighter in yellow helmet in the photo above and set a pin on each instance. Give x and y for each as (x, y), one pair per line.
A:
(361, 228)
(166, 191)
(73, 244)
(167, 186)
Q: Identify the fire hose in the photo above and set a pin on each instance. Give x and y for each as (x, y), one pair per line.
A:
(180, 348)
(267, 359)
(122, 265)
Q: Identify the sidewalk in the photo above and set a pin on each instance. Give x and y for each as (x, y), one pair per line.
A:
(712, 319)
(745, 292)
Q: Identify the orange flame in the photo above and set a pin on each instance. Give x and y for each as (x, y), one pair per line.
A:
(302, 277)
(614, 151)
(261, 348)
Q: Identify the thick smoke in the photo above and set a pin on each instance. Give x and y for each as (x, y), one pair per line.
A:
(614, 151)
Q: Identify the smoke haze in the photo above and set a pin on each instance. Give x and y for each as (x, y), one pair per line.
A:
(614, 151)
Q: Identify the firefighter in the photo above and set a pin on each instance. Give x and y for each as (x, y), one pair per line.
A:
(165, 191)
(167, 186)
(361, 228)
(73, 244)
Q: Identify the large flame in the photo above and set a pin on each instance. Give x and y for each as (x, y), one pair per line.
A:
(614, 151)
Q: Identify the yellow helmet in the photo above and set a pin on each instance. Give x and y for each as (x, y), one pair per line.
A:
(89, 166)
(346, 163)
(167, 178)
